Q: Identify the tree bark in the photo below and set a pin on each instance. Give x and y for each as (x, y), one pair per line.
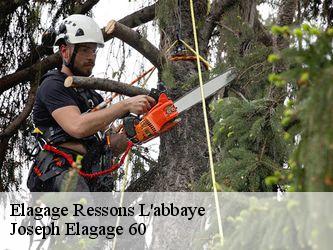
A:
(218, 8)
(104, 84)
(139, 17)
(263, 35)
(183, 150)
(286, 14)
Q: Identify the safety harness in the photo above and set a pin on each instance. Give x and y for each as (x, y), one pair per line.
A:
(76, 165)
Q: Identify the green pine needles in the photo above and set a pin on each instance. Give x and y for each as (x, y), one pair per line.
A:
(262, 142)
(248, 143)
(308, 117)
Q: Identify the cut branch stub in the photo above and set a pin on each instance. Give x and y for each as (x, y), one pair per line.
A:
(104, 84)
(109, 28)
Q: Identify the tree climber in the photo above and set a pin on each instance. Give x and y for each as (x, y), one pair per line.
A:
(61, 118)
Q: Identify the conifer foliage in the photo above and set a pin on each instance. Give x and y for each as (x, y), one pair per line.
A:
(308, 115)
(248, 137)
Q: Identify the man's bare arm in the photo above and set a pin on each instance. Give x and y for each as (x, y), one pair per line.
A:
(81, 125)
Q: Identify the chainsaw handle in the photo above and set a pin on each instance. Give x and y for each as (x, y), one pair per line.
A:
(155, 93)
(130, 120)
(129, 123)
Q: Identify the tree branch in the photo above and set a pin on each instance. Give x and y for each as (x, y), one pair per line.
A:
(105, 85)
(8, 7)
(134, 39)
(218, 8)
(52, 61)
(139, 154)
(84, 8)
(3, 150)
(263, 35)
(27, 74)
(139, 17)
(14, 125)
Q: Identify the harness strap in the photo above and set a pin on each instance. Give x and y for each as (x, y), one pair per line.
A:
(88, 97)
(73, 164)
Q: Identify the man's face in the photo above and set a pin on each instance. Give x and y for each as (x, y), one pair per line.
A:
(85, 59)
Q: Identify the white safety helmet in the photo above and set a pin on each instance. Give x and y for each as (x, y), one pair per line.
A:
(79, 29)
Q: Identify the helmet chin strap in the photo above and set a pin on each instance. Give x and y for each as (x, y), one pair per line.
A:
(70, 64)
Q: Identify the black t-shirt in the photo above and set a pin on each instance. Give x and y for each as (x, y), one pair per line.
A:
(52, 94)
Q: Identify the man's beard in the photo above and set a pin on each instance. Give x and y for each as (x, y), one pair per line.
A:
(78, 72)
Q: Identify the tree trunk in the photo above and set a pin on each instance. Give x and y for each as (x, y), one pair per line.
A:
(183, 151)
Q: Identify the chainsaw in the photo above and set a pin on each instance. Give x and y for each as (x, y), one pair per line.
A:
(165, 114)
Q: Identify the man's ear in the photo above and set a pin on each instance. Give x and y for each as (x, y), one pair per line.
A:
(64, 51)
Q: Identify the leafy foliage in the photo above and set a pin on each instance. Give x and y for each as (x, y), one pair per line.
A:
(308, 116)
(290, 223)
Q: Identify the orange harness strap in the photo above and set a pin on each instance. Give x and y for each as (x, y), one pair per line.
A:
(73, 164)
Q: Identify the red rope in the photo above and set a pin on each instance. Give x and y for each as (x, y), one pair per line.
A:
(70, 160)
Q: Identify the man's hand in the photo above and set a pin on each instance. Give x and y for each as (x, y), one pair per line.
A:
(139, 104)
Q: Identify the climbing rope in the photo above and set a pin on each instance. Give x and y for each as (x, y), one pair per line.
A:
(211, 163)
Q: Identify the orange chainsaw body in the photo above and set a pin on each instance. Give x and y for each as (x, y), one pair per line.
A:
(159, 119)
